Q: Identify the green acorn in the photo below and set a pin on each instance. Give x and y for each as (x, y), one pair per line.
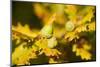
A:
(52, 42)
(47, 31)
(69, 26)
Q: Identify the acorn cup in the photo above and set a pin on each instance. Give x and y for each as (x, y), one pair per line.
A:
(52, 42)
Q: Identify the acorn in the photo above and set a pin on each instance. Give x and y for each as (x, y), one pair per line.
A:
(47, 30)
(69, 26)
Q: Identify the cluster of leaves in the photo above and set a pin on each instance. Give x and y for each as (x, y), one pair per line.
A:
(63, 26)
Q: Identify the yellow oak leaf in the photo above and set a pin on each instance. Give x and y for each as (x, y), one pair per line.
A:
(83, 52)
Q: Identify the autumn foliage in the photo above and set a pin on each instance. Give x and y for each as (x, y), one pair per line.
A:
(67, 35)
